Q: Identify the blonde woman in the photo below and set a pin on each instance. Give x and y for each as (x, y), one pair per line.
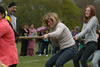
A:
(62, 37)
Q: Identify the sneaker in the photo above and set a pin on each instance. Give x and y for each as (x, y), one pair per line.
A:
(46, 55)
(40, 55)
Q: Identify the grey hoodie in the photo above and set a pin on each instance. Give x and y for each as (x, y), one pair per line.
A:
(89, 30)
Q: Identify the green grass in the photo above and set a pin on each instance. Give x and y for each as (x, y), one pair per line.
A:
(35, 61)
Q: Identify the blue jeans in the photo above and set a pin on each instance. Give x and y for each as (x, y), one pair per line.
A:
(45, 46)
(40, 47)
(62, 57)
(96, 58)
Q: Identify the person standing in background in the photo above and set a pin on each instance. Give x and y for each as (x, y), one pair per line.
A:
(31, 42)
(12, 19)
(74, 32)
(8, 50)
(10, 15)
(24, 42)
(45, 43)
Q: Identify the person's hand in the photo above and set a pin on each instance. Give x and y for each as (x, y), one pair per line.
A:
(2, 65)
(45, 36)
(25, 34)
(75, 38)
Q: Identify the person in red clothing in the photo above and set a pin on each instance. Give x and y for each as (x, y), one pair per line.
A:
(8, 50)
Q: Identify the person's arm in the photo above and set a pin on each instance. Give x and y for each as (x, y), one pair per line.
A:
(35, 33)
(3, 65)
(97, 35)
(56, 33)
(88, 27)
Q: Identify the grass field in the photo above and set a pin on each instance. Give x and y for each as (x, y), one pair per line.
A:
(35, 61)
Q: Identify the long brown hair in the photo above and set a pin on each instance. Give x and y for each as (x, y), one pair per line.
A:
(92, 13)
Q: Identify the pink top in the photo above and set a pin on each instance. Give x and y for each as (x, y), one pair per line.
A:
(31, 43)
(41, 29)
(8, 50)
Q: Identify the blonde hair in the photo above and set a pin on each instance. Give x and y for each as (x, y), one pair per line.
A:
(52, 16)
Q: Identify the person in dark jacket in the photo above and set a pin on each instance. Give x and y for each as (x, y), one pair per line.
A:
(24, 42)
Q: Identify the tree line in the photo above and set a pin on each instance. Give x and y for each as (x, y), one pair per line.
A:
(32, 11)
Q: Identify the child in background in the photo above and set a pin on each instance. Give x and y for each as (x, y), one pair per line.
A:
(45, 43)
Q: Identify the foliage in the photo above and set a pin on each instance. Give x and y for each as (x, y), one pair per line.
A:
(83, 3)
(32, 11)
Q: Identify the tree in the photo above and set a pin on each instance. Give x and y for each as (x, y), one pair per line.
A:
(83, 3)
(32, 11)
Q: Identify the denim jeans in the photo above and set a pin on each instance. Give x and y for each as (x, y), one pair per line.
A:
(89, 59)
(40, 47)
(45, 46)
(62, 57)
(96, 58)
(84, 53)
(51, 49)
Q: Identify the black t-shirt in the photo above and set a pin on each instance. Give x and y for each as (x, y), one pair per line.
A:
(98, 45)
